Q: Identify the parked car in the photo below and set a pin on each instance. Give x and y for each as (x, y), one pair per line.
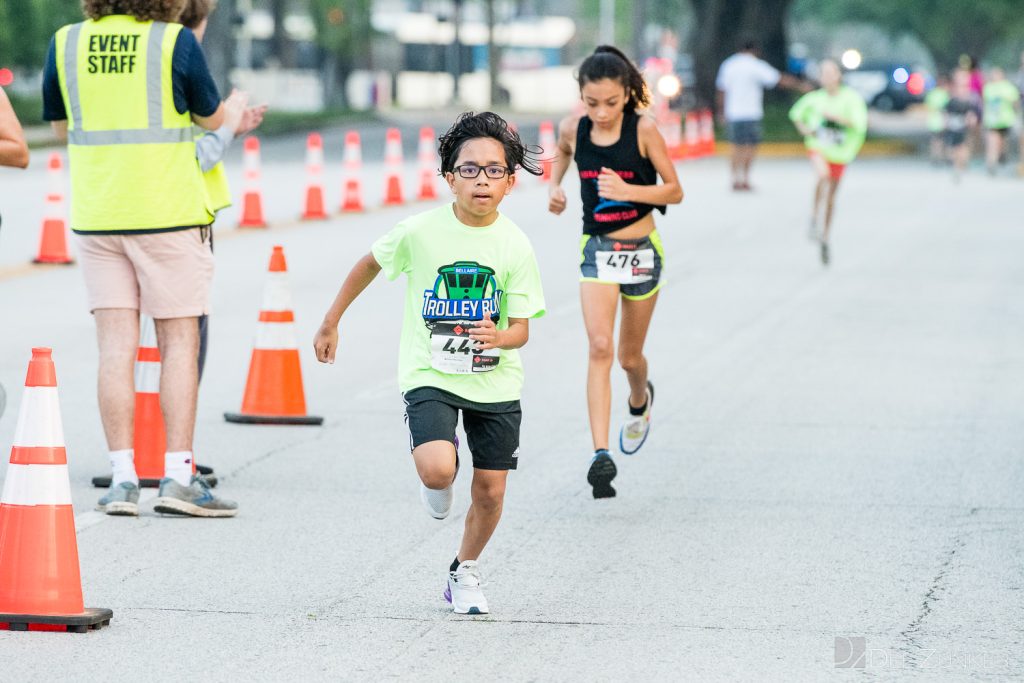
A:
(890, 86)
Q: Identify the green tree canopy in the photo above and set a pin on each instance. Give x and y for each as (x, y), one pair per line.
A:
(27, 25)
(948, 28)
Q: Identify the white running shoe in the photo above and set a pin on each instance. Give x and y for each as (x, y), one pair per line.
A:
(463, 590)
(636, 427)
(437, 501)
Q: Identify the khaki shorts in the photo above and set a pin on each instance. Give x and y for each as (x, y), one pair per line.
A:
(162, 274)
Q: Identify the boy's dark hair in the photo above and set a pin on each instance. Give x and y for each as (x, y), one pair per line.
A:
(610, 62)
(195, 11)
(486, 124)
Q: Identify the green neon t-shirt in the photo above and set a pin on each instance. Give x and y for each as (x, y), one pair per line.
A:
(936, 101)
(455, 274)
(839, 144)
(1000, 98)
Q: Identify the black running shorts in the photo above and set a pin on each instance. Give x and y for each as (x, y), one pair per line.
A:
(491, 428)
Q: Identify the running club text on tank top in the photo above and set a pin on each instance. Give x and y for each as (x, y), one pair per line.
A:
(600, 215)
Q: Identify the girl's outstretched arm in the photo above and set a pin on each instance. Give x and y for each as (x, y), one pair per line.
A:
(563, 157)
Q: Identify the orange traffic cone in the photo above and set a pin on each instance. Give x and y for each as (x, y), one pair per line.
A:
(252, 200)
(353, 168)
(692, 143)
(547, 146)
(314, 210)
(40, 580)
(150, 441)
(273, 391)
(428, 165)
(53, 240)
(707, 133)
(393, 174)
(672, 131)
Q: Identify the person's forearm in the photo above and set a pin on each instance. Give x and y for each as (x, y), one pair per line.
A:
(13, 153)
(60, 130)
(358, 279)
(211, 122)
(664, 193)
(516, 336)
(211, 147)
(560, 166)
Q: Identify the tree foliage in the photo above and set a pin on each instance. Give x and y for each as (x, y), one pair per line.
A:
(722, 24)
(948, 28)
(27, 25)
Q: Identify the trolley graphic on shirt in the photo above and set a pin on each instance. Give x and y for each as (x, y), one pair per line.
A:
(462, 294)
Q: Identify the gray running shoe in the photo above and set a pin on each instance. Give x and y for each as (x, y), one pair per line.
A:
(194, 500)
(121, 499)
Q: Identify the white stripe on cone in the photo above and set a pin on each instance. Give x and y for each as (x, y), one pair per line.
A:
(276, 296)
(147, 377)
(39, 422)
(147, 373)
(275, 337)
(36, 485)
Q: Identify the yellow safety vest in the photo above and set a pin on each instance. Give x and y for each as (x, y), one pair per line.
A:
(132, 156)
(218, 192)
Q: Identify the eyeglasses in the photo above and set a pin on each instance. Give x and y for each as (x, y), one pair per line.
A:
(472, 171)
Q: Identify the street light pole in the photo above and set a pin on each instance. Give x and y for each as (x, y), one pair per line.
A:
(493, 55)
(456, 50)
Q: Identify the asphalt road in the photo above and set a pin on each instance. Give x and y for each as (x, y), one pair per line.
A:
(835, 454)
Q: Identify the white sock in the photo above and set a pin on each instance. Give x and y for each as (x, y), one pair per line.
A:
(122, 463)
(178, 466)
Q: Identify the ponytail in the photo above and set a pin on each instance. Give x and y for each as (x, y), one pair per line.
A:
(609, 62)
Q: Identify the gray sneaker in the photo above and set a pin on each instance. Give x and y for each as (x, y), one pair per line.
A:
(194, 500)
(121, 499)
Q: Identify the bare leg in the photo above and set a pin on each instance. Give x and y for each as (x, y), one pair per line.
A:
(993, 150)
(178, 339)
(488, 493)
(820, 187)
(435, 463)
(960, 153)
(749, 152)
(600, 302)
(636, 319)
(735, 164)
(832, 185)
(117, 334)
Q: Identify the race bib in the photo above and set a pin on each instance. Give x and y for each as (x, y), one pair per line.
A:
(831, 137)
(625, 267)
(453, 352)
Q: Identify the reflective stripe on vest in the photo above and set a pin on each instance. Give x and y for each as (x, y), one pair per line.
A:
(133, 165)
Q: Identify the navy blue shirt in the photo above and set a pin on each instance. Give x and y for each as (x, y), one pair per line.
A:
(194, 89)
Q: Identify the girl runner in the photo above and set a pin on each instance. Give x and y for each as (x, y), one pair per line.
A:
(833, 121)
(619, 155)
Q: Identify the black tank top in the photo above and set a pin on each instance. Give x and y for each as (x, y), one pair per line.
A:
(601, 216)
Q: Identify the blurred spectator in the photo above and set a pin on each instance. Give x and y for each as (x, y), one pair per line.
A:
(741, 83)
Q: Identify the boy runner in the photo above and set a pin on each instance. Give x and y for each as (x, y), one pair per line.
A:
(473, 285)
